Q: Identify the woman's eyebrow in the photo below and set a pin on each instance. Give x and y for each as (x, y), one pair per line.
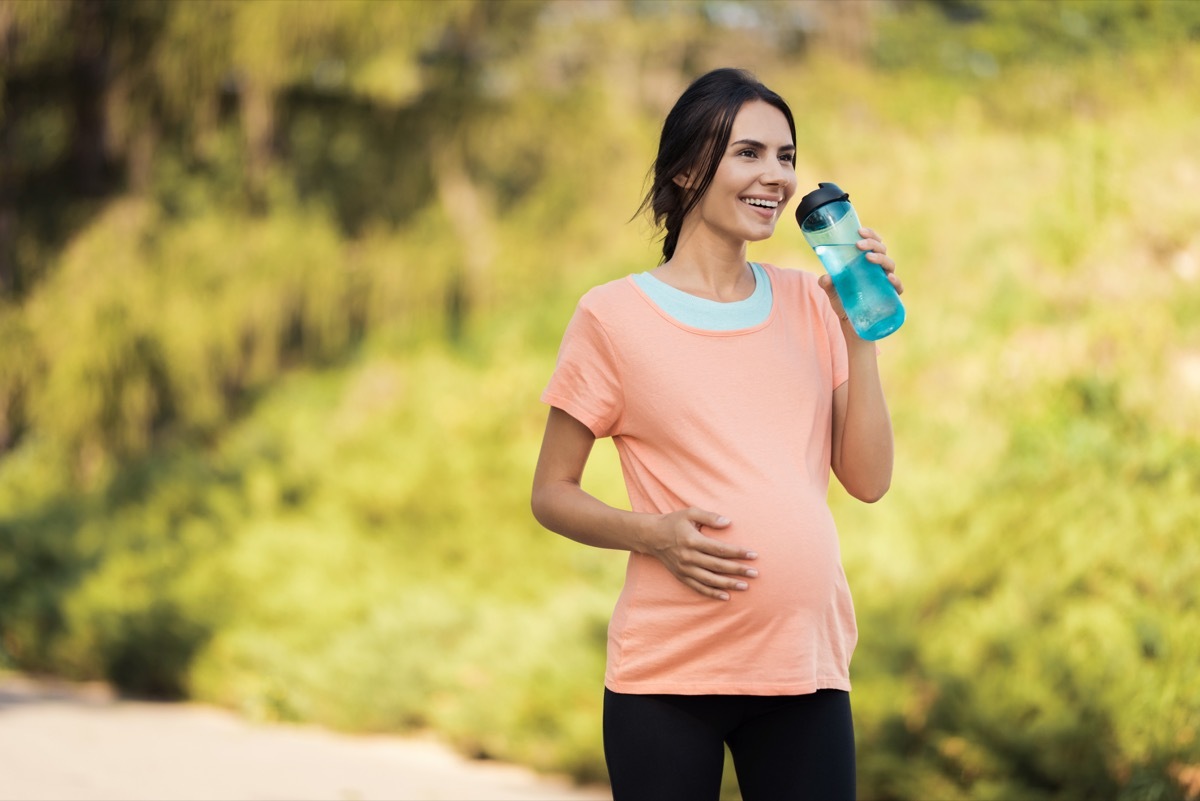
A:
(758, 145)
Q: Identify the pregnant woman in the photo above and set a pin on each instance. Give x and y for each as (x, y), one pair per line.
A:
(731, 389)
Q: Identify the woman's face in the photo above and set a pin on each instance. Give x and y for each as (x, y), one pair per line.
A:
(755, 178)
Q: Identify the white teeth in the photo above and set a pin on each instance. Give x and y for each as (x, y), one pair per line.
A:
(768, 204)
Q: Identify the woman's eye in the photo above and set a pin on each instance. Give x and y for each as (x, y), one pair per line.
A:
(748, 152)
(788, 158)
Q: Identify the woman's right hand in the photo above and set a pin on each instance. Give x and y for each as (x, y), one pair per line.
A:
(707, 565)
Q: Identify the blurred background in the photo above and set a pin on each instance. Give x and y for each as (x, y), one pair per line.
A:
(281, 283)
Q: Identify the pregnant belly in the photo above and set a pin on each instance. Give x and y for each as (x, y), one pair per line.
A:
(799, 580)
(796, 613)
(799, 563)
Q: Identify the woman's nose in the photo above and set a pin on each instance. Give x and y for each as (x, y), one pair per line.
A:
(780, 175)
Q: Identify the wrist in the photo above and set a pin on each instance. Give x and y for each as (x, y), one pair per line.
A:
(848, 327)
(644, 527)
(856, 345)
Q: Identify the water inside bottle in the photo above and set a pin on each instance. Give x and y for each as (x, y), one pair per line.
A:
(835, 256)
(866, 294)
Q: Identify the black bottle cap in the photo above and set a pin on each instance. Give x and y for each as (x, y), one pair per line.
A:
(824, 193)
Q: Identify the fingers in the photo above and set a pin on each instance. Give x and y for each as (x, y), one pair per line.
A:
(719, 581)
(710, 567)
(707, 565)
(869, 235)
(835, 301)
(704, 518)
(709, 590)
(877, 254)
(708, 545)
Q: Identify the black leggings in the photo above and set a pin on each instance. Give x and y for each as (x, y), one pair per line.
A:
(661, 747)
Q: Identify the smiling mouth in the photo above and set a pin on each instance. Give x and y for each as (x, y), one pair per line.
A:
(762, 204)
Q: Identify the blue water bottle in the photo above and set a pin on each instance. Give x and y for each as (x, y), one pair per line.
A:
(830, 226)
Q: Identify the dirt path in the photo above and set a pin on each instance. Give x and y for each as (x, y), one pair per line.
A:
(74, 742)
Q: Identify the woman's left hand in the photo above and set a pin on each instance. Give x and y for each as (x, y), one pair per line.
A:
(876, 254)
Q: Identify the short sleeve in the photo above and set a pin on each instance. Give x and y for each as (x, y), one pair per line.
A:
(586, 380)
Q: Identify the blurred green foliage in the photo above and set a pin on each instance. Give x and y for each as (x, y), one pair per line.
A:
(280, 284)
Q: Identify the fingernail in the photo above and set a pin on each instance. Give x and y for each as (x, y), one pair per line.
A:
(751, 555)
(741, 585)
(724, 596)
(752, 573)
(722, 521)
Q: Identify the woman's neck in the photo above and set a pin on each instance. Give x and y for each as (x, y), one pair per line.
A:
(713, 270)
(706, 275)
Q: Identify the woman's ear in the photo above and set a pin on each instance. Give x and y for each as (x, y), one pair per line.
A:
(684, 179)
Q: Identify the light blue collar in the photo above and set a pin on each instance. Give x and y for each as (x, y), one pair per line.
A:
(711, 315)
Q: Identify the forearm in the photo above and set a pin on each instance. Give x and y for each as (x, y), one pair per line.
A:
(707, 565)
(563, 507)
(863, 452)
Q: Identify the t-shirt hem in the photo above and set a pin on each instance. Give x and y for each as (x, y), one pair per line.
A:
(725, 688)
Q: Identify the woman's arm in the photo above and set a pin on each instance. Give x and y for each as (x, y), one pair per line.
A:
(863, 452)
(560, 504)
(862, 428)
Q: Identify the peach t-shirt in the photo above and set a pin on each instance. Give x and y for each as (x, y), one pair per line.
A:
(738, 423)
